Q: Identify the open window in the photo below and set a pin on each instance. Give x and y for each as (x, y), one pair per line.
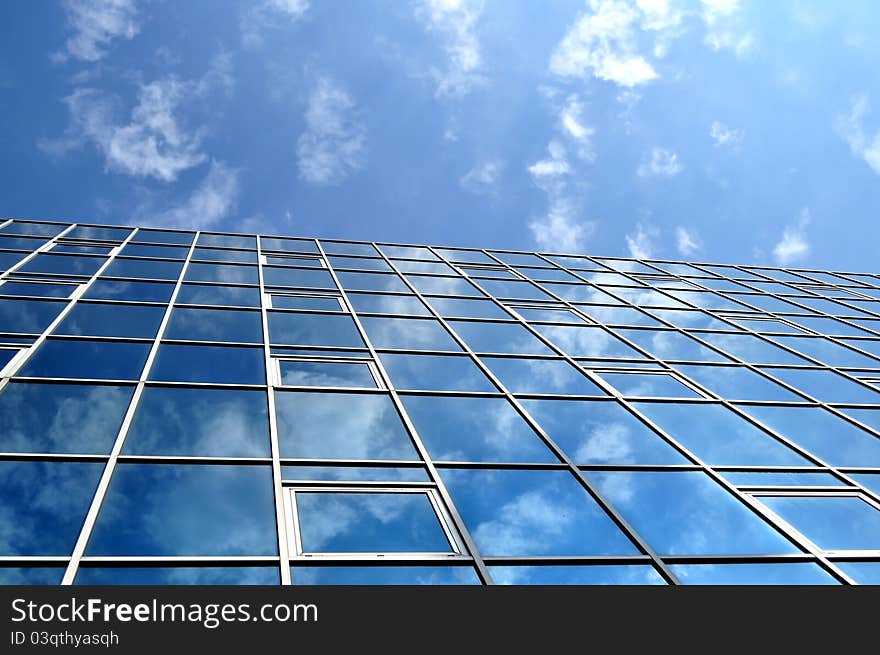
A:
(316, 301)
(332, 372)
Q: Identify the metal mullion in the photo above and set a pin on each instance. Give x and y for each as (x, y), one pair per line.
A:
(433, 474)
(98, 499)
(42, 249)
(587, 485)
(278, 491)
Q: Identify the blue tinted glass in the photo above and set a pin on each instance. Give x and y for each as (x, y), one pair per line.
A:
(782, 479)
(595, 432)
(244, 326)
(736, 383)
(587, 341)
(289, 245)
(43, 505)
(41, 229)
(359, 522)
(341, 248)
(313, 330)
(473, 256)
(288, 260)
(830, 326)
(795, 573)
(229, 364)
(28, 316)
(512, 289)
(718, 436)
(511, 512)
(329, 303)
(371, 281)
(10, 259)
(31, 576)
(474, 429)
(199, 422)
(80, 250)
(180, 575)
(6, 357)
(821, 433)
(444, 286)
(828, 352)
(217, 255)
(488, 337)
(27, 244)
(165, 252)
(430, 268)
(61, 418)
(361, 263)
(542, 376)
(692, 319)
(386, 304)
(408, 333)
(862, 572)
(648, 385)
(602, 574)
(671, 345)
(171, 509)
(550, 315)
(99, 360)
(384, 575)
(413, 252)
(164, 236)
(274, 276)
(340, 426)
(868, 480)
(119, 290)
(826, 385)
(686, 512)
(467, 308)
(227, 240)
(229, 273)
(355, 473)
(326, 374)
(99, 233)
(36, 289)
(831, 522)
(112, 320)
(750, 348)
(63, 264)
(143, 268)
(208, 294)
(435, 372)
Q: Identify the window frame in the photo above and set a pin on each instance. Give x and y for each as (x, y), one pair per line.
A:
(277, 379)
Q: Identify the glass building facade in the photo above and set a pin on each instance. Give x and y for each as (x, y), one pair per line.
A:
(196, 408)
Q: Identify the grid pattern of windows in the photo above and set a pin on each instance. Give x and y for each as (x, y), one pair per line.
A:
(186, 407)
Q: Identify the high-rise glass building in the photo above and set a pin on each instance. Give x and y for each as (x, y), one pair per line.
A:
(193, 407)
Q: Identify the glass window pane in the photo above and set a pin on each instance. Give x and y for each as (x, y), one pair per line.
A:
(821, 433)
(314, 425)
(412, 252)
(354, 473)
(384, 575)
(199, 422)
(862, 572)
(595, 432)
(326, 374)
(474, 429)
(342, 248)
(37, 289)
(28, 316)
(827, 386)
(219, 255)
(98, 360)
(435, 373)
(173, 509)
(429, 268)
(473, 256)
(512, 289)
(44, 575)
(63, 264)
(648, 385)
(533, 314)
(226, 364)
(828, 352)
(795, 573)
(371, 281)
(164, 236)
(178, 575)
(410, 334)
(43, 505)
(210, 294)
(61, 418)
(274, 276)
(386, 304)
(328, 303)
(513, 512)
(601, 574)
(686, 512)
(831, 522)
(227, 240)
(144, 269)
(292, 260)
(781, 479)
(750, 348)
(313, 330)
(554, 376)
(736, 382)
(448, 286)
(99, 233)
(361, 522)
(671, 345)
(288, 245)
(120, 290)
(6, 356)
(587, 341)
(27, 244)
(112, 320)
(229, 273)
(165, 252)
(244, 326)
(360, 263)
(718, 436)
(488, 337)
(467, 308)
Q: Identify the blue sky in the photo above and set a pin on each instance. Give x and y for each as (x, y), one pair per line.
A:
(719, 130)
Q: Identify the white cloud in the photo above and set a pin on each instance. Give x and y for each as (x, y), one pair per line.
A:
(724, 30)
(794, 245)
(95, 23)
(266, 15)
(660, 162)
(571, 121)
(334, 143)
(851, 128)
(726, 136)
(686, 242)
(641, 242)
(554, 166)
(456, 20)
(210, 203)
(482, 179)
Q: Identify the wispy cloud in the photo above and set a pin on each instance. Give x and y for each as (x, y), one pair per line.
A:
(724, 29)
(572, 123)
(851, 128)
(686, 242)
(266, 15)
(725, 136)
(483, 178)
(794, 245)
(660, 162)
(210, 203)
(456, 21)
(641, 243)
(333, 145)
(548, 170)
(95, 23)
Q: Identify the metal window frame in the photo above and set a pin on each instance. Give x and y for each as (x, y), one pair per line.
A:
(361, 361)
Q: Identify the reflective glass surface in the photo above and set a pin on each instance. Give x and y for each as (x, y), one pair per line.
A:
(587, 341)
(671, 345)
(227, 364)
(601, 574)
(485, 337)
(466, 307)
(128, 290)
(408, 333)
(99, 360)
(435, 373)
(862, 572)
(274, 276)
(164, 236)
(826, 385)
(648, 385)
(325, 374)
(387, 304)
(795, 573)
(831, 522)
(557, 376)
(49, 290)
(735, 382)
(28, 316)
(355, 473)
(229, 273)
(384, 575)
(63, 264)
(244, 326)
(112, 320)
(327, 303)
(297, 328)
(179, 575)
(207, 294)
(143, 269)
